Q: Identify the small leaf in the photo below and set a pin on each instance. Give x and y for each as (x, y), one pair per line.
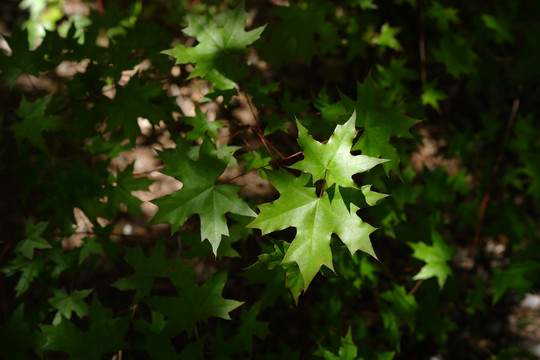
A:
(347, 350)
(200, 194)
(435, 257)
(194, 303)
(123, 184)
(69, 303)
(21, 60)
(136, 99)
(443, 15)
(500, 27)
(333, 161)
(33, 239)
(516, 276)
(251, 327)
(381, 122)
(216, 42)
(387, 37)
(304, 30)
(22, 335)
(104, 334)
(34, 122)
(456, 55)
(29, 270)
(201, 126)
(432, 96)
(145, 270)
(401, 306)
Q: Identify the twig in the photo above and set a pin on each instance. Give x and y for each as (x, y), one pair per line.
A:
(324, 181)
(416, 286)
(258, 130)
(311, 349)
(267, 149)
(4, 308)
(422, 48)
(494, 174)
(4, 251)
(247, 145)
(482, 212)
(271, 145)
(99, 7)
(509, 126)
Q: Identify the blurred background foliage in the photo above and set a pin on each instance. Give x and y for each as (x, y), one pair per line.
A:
(446, 89)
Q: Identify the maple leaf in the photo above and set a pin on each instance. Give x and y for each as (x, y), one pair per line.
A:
(443, 15)
(104, 334)
(200, 194)
(21, 334)
(316, 219)
(136, 99)
(194, 303)
(333, 161)
(22, 59)
(435, 257)
(304, 31)
(120, 192)
(224, 347)
(91, 246)
(159, 346)
(367, 4)
(274, 123)
(201, 126)
(34, 122)
(516, 276)
(331, 113)
(394, 77)
(69, 303)
(347, 350)
(380, 121)
(29, 270)
(387, 37)
(274, 261)
(146, 269)
(251, 327)
(456, 55)
(217, 38)
(401, 305)
(33, 239)
(501, 27)
(432, 96)
(198, 249)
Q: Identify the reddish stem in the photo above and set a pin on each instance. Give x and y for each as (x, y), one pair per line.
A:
(416, 286)
(4, 251)
(4, 309)
(264, 141)
(482, 212)
(271, 145)
(99, 7)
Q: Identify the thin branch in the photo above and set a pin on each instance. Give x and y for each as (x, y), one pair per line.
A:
(4, 308)
(323, 183)
(258, 131)
(509, 126)
(317, 343)
(494, 174)
(4, 251)
(481, 214)
(422, 48)
(267, 149)
(416, 286)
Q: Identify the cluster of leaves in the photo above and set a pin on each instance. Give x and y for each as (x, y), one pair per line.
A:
(75, 282)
